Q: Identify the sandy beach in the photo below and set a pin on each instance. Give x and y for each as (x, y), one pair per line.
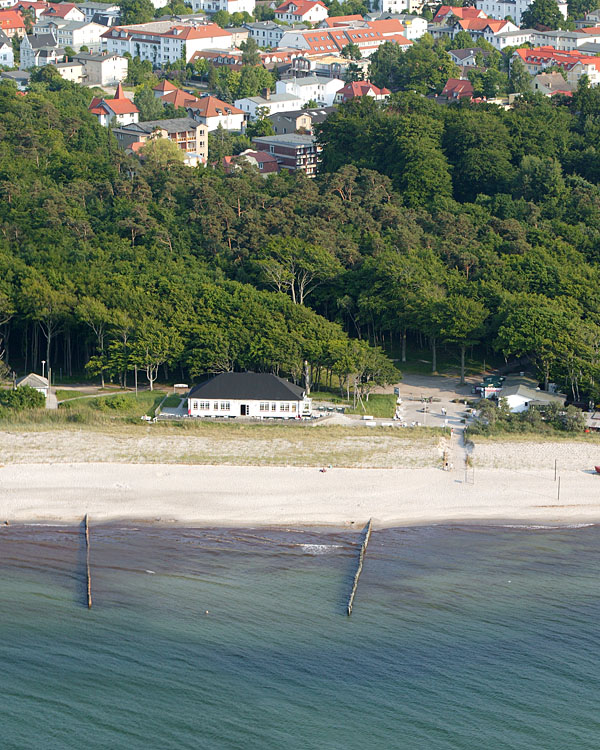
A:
(250, 495)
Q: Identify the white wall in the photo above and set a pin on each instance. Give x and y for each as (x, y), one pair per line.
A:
(6, 55)
(279, 409)
(231, 6)
(322, 93)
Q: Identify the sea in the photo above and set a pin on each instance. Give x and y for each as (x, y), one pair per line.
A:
(462, 637)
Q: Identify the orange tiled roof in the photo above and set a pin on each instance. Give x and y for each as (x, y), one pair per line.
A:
(210, 106)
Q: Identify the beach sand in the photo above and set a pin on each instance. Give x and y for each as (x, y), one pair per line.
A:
(262, 496)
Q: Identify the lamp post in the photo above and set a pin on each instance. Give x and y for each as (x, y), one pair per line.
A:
(43, 366)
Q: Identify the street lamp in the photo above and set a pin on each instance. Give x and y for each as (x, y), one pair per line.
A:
(43, 366)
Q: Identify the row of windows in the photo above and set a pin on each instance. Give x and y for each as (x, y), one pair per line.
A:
(205, 406)
(264, 406)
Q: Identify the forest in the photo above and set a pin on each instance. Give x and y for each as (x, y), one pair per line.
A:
(428, 225)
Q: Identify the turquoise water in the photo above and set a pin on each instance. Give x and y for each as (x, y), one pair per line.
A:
(461, 637)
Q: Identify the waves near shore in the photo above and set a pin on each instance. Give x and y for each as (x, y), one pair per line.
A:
(461, 637)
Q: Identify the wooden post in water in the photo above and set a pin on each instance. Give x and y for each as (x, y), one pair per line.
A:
(361, 557)
(87, 562)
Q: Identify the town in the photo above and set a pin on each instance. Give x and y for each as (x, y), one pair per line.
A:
(451, 157)
(262, 86)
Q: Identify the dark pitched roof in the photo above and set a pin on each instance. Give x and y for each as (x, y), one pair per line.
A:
(249, 385)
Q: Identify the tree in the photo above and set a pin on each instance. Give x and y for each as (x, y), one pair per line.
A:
(47, 306)
(221, 18)
(424, 67)
(461, 322)
(310, 104)
(542, 13)
(520, 80)
(94, 313)
(536, 326)
(297, 267)
(150, 106)
(352, 51)
(153, 346)
(462, 40)
(70, 52)
(136, 11)
(261, 126)
(162, 152)
(250, 52)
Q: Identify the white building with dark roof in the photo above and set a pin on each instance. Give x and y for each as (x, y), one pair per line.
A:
(248, 394)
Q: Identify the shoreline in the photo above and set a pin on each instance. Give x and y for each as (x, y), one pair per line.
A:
(252, 496)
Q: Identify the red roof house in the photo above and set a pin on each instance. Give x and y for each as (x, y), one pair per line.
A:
(458, 88)
(213, 112)
(164, 87)
(117, 111)
(299, 11)
(12, 23)
(265, 162)
(361, 88)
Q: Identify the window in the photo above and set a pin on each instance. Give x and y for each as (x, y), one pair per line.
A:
(284, 407)
(293, 407)
(204, 405)
(216, 406)
(195, 405)
(225, 406)
(263, 406)
(273, 407)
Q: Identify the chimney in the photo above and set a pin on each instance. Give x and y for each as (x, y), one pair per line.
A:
(267, 94)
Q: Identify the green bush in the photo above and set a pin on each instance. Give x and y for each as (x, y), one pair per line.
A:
(22, 398)
(120, 402)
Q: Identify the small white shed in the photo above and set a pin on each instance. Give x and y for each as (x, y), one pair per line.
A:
(35, 381)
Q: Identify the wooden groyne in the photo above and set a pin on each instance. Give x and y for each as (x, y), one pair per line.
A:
(87, 562)
(361, 558)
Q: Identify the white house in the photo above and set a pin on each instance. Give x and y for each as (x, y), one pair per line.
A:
(270, 104)
(103, 69)
(34, 381)
(231, 6)
(414, 26)
(165, 41)
(117, 111)
(312, 88)
(513, 8)
(301, 11)
(74, 34)
(248, 394)
(38, 51)
(91, 9)
(212, 112)
(7, 57)
(62, 12)
(513, 38)
(520, 397)
(265, 33)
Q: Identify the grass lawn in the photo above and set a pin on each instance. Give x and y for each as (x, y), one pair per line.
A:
(64, 395)
(118, 409)
(173, 400)
(378, 405)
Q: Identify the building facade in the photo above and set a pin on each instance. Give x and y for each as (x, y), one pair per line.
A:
(215, 113)
(248, 394)
(301, 11)
(74, 34)
(163, 41)
(294, 152)
(103, 69)
(231, 6)
(189, 136)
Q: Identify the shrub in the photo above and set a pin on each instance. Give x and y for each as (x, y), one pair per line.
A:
(120, 402)
(22, 398)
